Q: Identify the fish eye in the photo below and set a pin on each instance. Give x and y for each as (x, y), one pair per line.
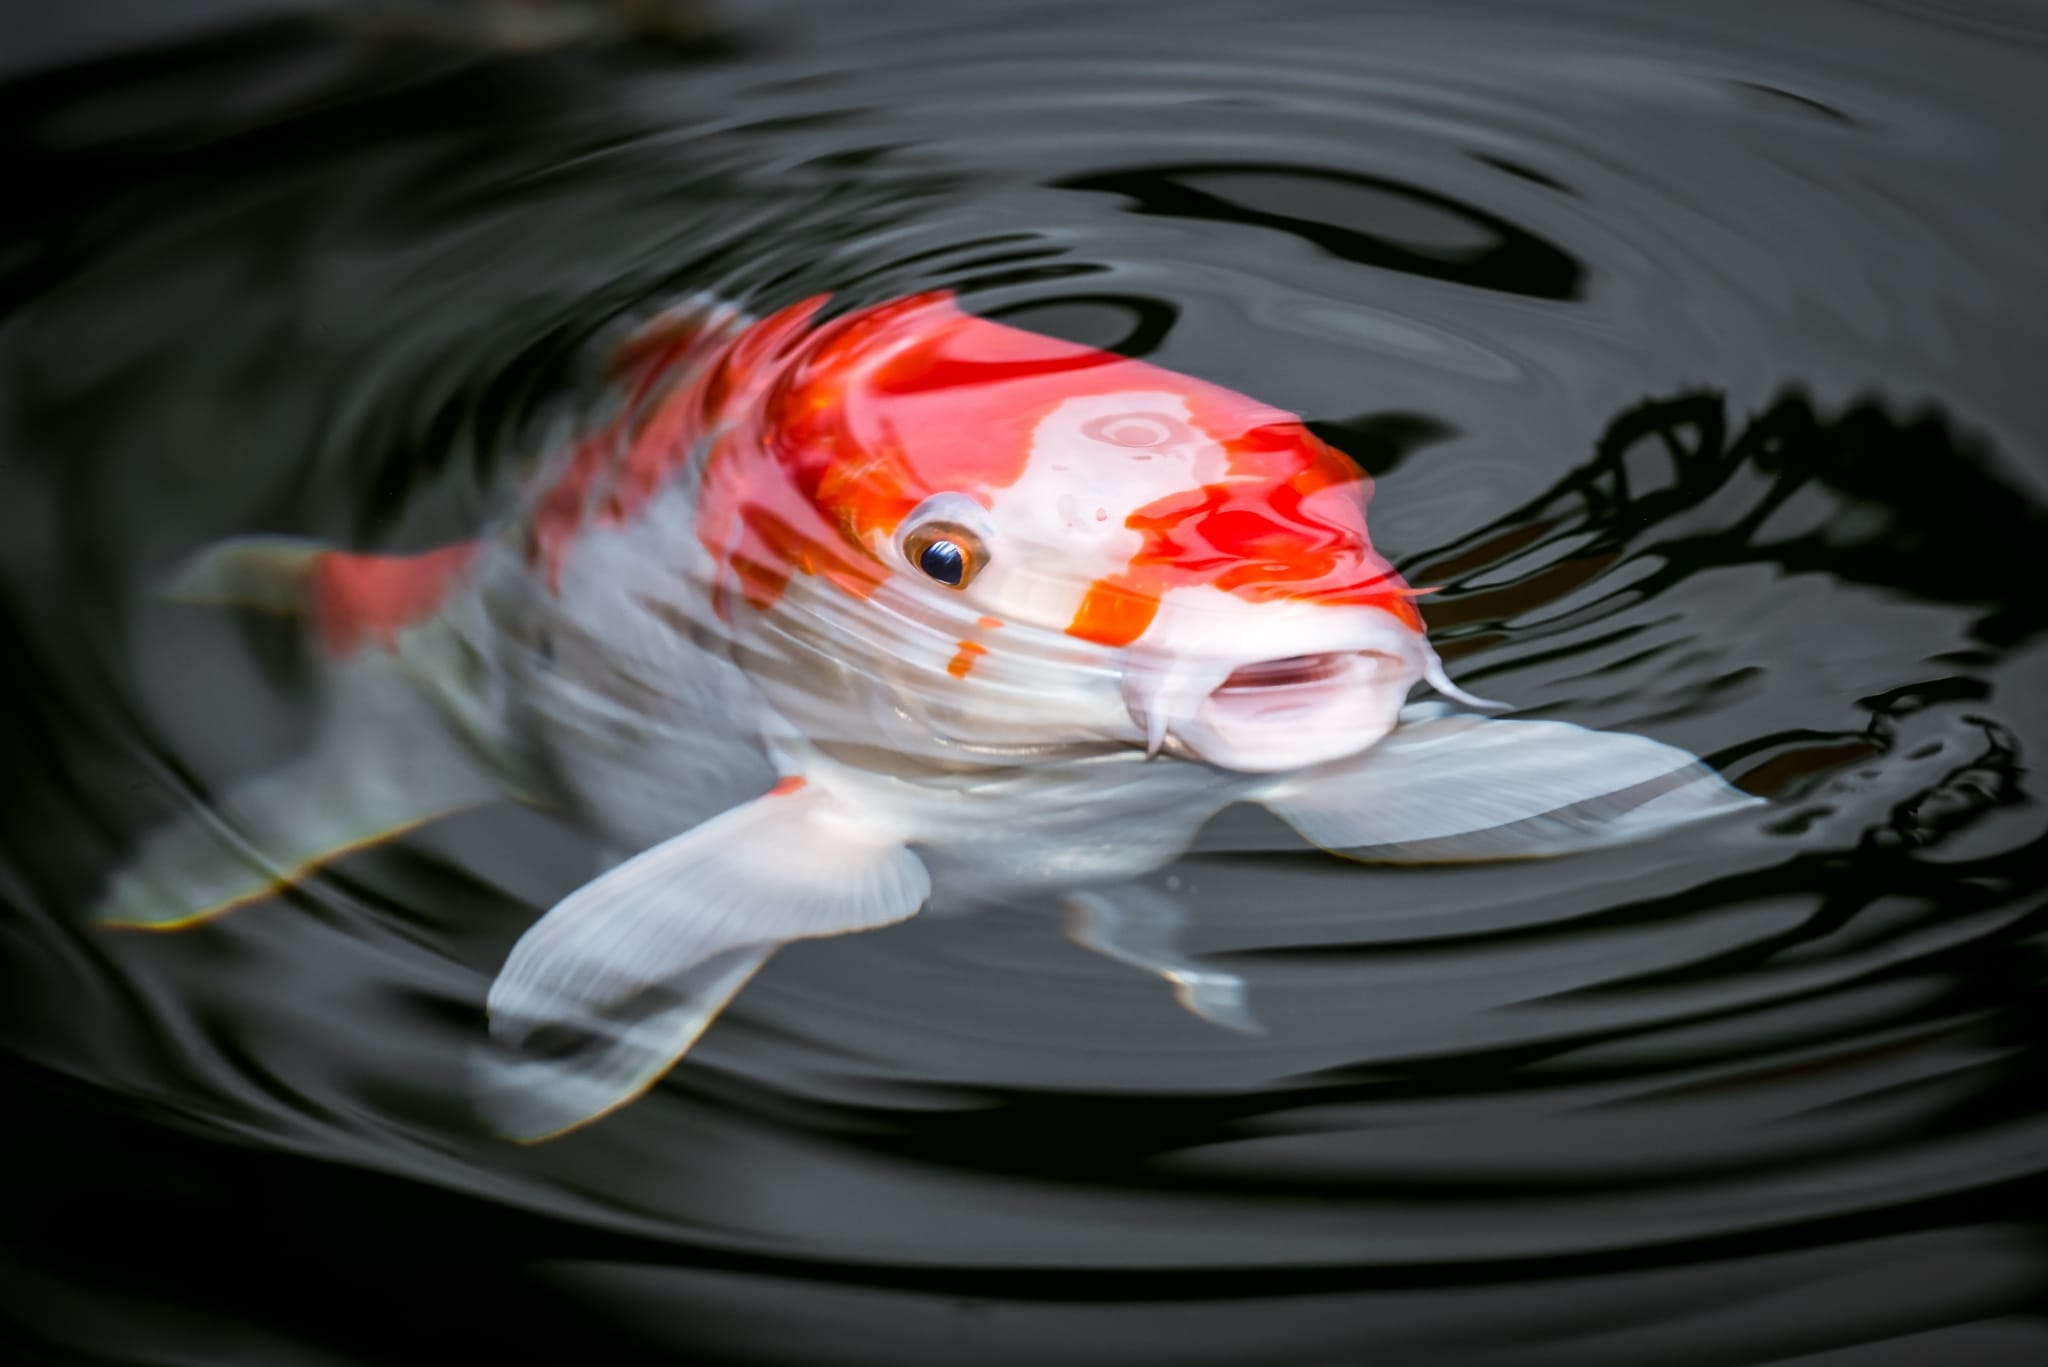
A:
(945, 552)
(943, 561)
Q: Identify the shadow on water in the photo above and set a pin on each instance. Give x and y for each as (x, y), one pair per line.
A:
(1414, 232)
(1864, 498)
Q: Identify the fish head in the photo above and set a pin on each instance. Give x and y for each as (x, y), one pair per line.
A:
(1100, 547)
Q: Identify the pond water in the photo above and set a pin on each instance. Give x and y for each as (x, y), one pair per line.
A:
(1695, 359)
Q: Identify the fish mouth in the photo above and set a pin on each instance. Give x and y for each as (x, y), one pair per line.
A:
(1267, 687)
(1289, 672)
(1285, 712)
(1299, 709)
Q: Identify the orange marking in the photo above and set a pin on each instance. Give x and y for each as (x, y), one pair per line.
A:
(1115, 612)
(991, 623)
(368, 599)
(784, 787)
(964, 658)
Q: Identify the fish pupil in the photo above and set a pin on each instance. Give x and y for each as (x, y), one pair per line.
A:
(943, 561)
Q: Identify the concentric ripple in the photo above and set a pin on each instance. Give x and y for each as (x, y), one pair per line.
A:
(1694, 360)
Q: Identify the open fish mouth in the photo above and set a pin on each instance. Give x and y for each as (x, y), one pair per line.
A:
(1278, 713)
(1292, 671)
(1300, 705)
(1266, 687)
(1299, 710)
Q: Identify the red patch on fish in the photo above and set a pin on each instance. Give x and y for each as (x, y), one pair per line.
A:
(1296, 534)
(784, 787)
(828, 435)
(359, 600)
(1287, 522)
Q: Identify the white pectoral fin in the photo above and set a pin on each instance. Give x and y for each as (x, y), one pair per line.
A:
(1458, 787)
(617, 981)
(1142, 927)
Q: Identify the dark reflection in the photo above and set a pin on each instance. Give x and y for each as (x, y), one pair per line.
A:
(1374, 222)
(1669, 488)
(1523, 171)
(1904, 505)
(1989, 779)
(1382, 441)
(1786, 99)
(1127, 324)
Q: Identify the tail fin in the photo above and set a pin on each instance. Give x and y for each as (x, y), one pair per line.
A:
(262, 573)
(381, 764)
(351, 600)
(383, 759)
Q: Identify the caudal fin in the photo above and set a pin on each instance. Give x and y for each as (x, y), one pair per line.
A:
(383, 759)
(381, 764)
(351, 600)
(261, 573)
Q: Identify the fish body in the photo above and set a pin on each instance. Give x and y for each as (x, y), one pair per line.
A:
(831, 609)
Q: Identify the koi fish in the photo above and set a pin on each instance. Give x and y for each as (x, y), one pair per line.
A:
(830, 612)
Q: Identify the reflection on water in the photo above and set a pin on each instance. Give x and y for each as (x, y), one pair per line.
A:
(1688, 356)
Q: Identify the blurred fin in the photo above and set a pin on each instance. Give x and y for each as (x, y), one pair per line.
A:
(264, 573)
(381, 764)
(1142, 927)
(529, 1095)
(352, 599)
(614, 984)
(1458, 787)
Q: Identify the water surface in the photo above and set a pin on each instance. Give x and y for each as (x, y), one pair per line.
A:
(1695, 358)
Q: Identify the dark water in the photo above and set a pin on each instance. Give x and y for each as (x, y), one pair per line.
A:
(1698, 358)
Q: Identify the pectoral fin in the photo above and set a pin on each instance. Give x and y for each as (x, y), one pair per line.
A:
(1459, 787)
(617, 981)
(1142, 927)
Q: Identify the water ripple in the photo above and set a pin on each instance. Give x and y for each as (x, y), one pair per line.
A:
(1688, 353)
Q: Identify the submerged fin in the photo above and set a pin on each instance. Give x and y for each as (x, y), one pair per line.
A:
(1141, 927)
(545, 1088)
(1459, 787)
(263, 573)
(351, 599)
(381, 763)
(617, 981)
